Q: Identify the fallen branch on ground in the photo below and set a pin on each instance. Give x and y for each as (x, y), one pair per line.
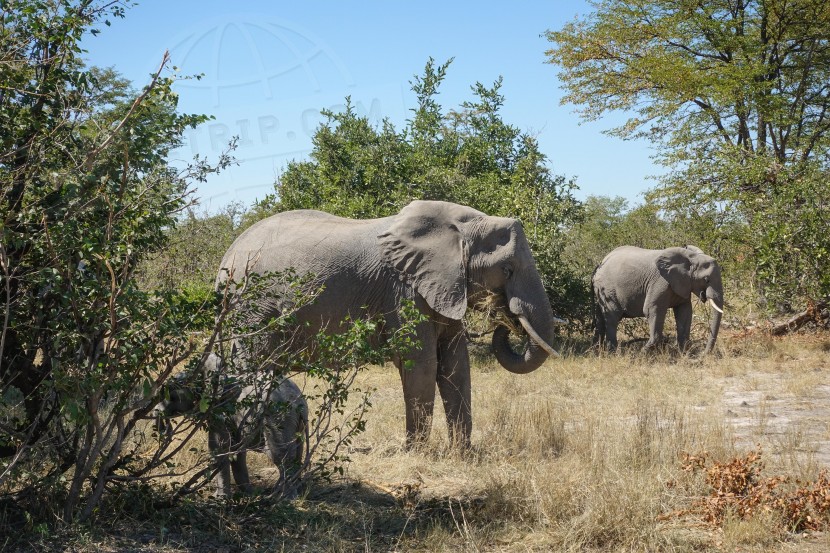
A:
(816, 311)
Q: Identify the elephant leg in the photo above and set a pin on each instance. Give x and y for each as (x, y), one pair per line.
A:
(419, 392)
(239, 465)
(284, 447)
(219, 444)
(656, 320)
(454, 387)
(599, 327)
(683, 318)
(611, 321)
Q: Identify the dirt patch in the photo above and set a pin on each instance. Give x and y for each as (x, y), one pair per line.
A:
(786, 415)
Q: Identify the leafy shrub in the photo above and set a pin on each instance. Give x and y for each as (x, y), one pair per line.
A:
(86, 194)
(193, 250)
(469, 156)
(329, 364)
(101, 303)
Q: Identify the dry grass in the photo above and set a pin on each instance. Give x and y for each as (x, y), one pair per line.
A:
(577, 455)
(584, 454)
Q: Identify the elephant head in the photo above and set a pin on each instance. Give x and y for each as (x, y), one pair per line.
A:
(179, 398)
(690, 271)
(455, 256)
(182, 393)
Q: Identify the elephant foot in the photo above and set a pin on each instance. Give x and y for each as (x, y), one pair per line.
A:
(604, 348)
(461, 443)
(287, 490)
(225, 493)
(655, 344)
(413, 444)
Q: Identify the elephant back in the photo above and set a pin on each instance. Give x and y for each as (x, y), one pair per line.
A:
(304, 240)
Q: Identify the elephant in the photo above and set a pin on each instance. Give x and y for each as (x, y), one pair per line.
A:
(264, 418)
(444, 257)
(636, 282)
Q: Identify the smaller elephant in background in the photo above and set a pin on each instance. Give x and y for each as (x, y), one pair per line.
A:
(273, 420)
(636, 282)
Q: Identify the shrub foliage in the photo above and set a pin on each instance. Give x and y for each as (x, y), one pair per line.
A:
(738, 488)
(88, 201)
(469, 156)
(733, 95)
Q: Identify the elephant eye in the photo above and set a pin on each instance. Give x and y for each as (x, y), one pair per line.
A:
(508, 271)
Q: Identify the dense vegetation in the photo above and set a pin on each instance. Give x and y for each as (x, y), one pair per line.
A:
(86, 196)
(733, 95)
(91, 332)
(105, 293)
(469, 155)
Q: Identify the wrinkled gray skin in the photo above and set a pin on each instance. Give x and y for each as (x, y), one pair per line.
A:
(274, 422)
(446, 257)
(634, 282)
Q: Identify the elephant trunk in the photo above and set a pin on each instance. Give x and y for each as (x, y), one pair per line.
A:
(715, 300)
(538, 323)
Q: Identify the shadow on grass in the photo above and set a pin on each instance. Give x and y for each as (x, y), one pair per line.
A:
(341, 516)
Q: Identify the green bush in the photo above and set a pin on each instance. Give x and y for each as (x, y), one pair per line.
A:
(105, 292)
(264, 356)
(469, 156)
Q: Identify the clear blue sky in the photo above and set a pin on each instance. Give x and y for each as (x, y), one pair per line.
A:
(269, 66)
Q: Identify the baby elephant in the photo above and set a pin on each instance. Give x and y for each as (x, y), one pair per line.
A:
(273, 421)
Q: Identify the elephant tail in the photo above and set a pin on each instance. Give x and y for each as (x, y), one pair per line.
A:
(598, 321)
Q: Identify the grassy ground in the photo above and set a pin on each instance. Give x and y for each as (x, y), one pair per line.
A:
(584, 454)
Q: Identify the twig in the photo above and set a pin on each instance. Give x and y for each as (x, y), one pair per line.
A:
(4, 265)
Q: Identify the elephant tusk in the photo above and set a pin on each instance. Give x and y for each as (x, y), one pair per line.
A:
(558, 321)
(711, 303)
(536, 338)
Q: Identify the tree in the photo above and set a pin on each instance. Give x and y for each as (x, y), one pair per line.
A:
(94, 319)
(193, 251)
(734, 95)
(468, 156)
(86, 194)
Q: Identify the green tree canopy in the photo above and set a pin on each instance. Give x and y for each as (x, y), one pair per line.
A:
(735, 95)
(469, 156)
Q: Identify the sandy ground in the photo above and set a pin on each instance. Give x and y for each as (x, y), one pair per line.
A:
(795, 423)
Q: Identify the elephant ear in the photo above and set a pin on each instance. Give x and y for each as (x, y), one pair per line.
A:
(425, 245)
(674, 266)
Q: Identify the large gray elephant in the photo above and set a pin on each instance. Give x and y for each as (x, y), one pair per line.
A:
(443, 256)
(635, 282)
